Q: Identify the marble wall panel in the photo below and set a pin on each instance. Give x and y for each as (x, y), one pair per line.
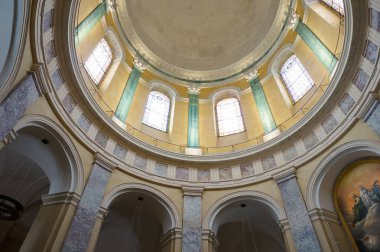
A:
(120, 152)
(329, 124)
(203, 175)
(375, 19)
(101, 139)
(48, 20)
(346, 104)
(161, 169)
(49, 51)
(83, 123)
(14, 106)
(310, 140)
(225, 173)
(373, 119)
(182, 173)
(247, 170)
(371, 52)
(268, 163)
(289, 153)
(69, 103)
(192, 226)
(361, 79)
(140, 162)
(301, 227)
(57, 79)
(84, 219)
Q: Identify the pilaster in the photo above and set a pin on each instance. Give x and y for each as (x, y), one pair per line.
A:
(303, 233)
(83, 223)
(192, 219)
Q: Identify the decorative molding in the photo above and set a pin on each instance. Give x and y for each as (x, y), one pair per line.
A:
(139, 64)
(192, 191)
(61, 198)
(104, 162)
(285, 175)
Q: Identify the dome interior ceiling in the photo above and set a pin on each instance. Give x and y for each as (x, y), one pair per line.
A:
(190, 39)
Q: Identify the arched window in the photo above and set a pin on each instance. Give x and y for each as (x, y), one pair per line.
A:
(157, 110)
(297, 80)
(337, 5)
(229, 117)
(100, 59)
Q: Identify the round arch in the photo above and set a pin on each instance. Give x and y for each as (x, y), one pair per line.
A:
(238, 196)
(320, 186)
(64, 178)
(162, 198)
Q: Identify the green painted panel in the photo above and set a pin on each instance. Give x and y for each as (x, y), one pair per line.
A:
(90, 21)
(262, 105)
(193, 121)
(127, 96)
(326, 57)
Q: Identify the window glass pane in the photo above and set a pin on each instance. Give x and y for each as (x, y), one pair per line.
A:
(296, 78)
(336, 5)
(229, 118)
(99, 61)
(156, 113)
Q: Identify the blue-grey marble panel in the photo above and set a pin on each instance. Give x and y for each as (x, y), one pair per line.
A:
(290, 153)
(346, 104)
(329, 124)
(182, 173)
(361, 79)
(373, 119)
(69, 103)
(161, 169)
(203, 174)
(83, 123)
(375, 19)
(120, 152)
(84, 219)
(49, 51)
(372, 51)
(268, 163)
(225, 173)
(192, 231)
(310, 140)
(13, 107)
(247, 170)
(57, 79)
(301, 227)
(48, 20)
(101, 139)
(140, 162)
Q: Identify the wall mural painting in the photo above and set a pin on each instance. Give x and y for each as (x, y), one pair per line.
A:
(357, 197)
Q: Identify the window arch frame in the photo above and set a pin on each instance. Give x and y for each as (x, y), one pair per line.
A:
(219, 97)
(168, 112)
(288, 84)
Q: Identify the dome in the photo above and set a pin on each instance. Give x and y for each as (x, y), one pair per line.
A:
(207, 125)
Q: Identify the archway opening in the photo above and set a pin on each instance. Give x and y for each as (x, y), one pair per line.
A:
(36, 163)
(247, 225)
(137, 221)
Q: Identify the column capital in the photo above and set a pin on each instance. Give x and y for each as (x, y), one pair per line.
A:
(293, 21)
(140, 64)
(192, 191)
(191, 90)
(251, 75)
(104, 162)
(10, 137)
(285, 175)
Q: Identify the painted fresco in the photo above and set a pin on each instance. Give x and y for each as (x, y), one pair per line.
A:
(357, 195)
